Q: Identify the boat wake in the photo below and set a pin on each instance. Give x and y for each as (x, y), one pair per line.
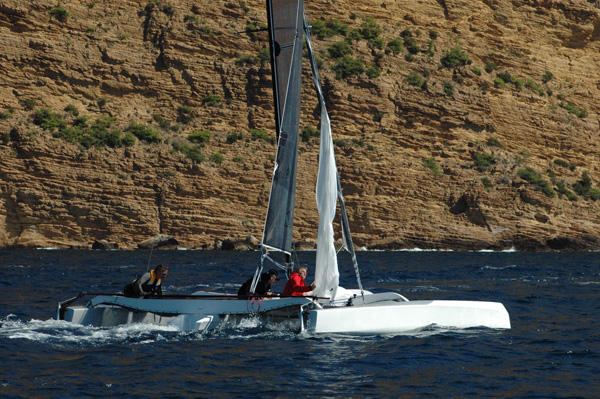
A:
(59, 333)
(62, 334)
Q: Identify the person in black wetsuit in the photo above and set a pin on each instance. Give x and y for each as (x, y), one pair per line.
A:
(263, 287)
(148, 284)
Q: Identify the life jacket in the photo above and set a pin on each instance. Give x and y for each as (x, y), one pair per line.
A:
(152, 284)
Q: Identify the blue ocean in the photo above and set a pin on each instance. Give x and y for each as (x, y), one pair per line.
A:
(552, 350)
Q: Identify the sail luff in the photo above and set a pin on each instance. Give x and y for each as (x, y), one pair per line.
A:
(285, 44)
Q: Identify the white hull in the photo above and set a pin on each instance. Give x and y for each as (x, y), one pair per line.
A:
(392, 316)
(378, 314)
(190, 313)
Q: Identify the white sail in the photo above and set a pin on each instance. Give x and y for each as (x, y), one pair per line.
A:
(326, 269)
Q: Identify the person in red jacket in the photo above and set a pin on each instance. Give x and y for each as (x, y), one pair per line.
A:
(296, 286)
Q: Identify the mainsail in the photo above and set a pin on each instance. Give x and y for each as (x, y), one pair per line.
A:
(287, 28)
(285, 19)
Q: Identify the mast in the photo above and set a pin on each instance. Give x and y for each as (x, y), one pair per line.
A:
(285, 20)
(273, 58)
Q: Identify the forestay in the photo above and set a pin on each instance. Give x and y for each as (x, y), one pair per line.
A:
(327, 193)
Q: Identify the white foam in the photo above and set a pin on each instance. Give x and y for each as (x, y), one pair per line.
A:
(61, 333)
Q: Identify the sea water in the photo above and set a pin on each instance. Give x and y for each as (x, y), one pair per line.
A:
(552, 350)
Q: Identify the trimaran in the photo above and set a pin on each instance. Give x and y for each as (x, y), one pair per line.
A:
(332, 309)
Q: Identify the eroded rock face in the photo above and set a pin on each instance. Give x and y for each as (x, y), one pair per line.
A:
(160, 64)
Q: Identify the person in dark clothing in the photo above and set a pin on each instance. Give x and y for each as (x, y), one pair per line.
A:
(148, 284)
(263, 287)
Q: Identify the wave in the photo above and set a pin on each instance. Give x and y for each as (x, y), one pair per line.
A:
(487, 267)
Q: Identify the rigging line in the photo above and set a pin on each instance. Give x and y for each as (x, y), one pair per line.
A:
(349, 246)
(149, 258)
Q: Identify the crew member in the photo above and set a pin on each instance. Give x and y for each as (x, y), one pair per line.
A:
(263, 287)
(148, 284)
(296, 286)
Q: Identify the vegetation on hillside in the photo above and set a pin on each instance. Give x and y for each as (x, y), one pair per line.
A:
(354, 50)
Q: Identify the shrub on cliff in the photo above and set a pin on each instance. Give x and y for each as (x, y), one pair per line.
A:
(433, 166)
(5, 138)
(548, 76)
(562, 190)
(6, 114)
(59, 13)
(448, 88)
(573, 109)
(162, 121)
(455, 57)
(430, 48)
(98, 134)
(71, 109)
(395, 45)
(245, 60)
(494, 142)
(144, 133)
(508, 78)
(184, 114)
(565, 164)
(48, 120)
(190, 152)
(535, 179)
(200, 137)
(347, 67)
(329, 28)
(487, 183)
(128, 139)
(415, 79)
(370, 29)
(260, 134)
(232, 137)
(373, 72)
(378, 116)
(483, 162)
(309, 132)
(411, 45)
(378, 43)
(490, 67)
(217, 158)
(530, 84)
(263, 55)
(71, 134)
(339, 49)
(211, 100)
(354, 35)
(584, 188)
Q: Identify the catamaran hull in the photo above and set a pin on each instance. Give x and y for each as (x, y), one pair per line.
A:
(196, 314)
(397, 317)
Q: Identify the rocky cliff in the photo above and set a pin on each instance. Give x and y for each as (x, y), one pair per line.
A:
(471, 125)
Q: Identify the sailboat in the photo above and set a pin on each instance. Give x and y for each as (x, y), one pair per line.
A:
(330, 308)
